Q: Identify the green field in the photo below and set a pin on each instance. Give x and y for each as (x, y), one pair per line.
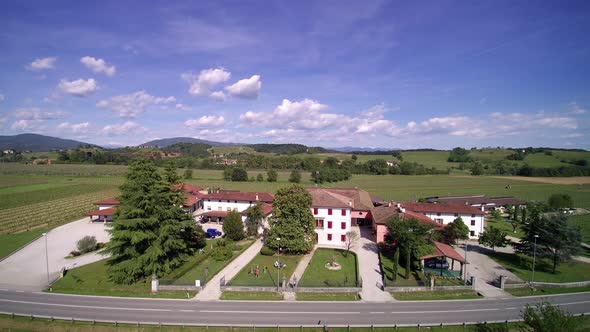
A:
(570, 271)
(11, 242)
(539, 291)
(317, 275)
(583, 222)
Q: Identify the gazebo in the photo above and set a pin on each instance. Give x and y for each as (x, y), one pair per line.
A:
(445, 251)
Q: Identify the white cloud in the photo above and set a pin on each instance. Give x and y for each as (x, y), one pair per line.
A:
(204, 83)
(211, 132)
(79, 88)
(205, 121)
(74, 128)
(217, 95)
(131, 105)
(577, 109)
(574, 135)
(36, 114)
(98, 65)
(128, 128)
(248, 88)
(42, 64)
(3, 120)
(1, 97)
(26, 125)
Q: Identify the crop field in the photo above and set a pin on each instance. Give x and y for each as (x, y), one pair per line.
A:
(64, 169)
(436, 159)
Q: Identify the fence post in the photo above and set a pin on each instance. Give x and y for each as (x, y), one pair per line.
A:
(155, 284)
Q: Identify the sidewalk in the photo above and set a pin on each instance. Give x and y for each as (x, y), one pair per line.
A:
(211, 291)
(303, 263)
(368, 259)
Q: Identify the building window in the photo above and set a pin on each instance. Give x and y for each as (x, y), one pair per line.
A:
(329, 212)
(329, 237)
(343, 225)
(329, 224)
(219, 208)
(343, 212)
(235, 201)
(473, 215)
(456, 214)
(208, 200)
(438, 221)
(228, 209)
(319, 223)
(219, 201)
(228, 200)
(315, 210)
(472, 222)
(343, 237)
(471, 233)
(236, 209)
(208, 208)
(438, 213)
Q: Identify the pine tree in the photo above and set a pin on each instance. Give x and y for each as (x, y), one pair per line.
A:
(151, 233)
(411, 236)
(292, 221)
(233, 226)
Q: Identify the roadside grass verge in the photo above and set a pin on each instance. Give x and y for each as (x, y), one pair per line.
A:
(268, 278)
(251, 296)
(301, 296)
(436, 295)
(539, 291)
(570, 271)
(11, 242)
(318, 275)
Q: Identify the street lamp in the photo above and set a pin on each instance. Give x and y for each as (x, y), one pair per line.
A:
(278, 262)
(46, 258)
(465, 269)
(534, 258)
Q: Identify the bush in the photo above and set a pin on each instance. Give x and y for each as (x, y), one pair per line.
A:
(75, 253)
(233, 226)
(100, 245)
(87, 244)
(222, 253)
(266, 251)
(236, 247)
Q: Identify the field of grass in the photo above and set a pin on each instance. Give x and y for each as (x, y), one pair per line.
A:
(542, 160)
(436, 295)
(317, 275)
(436, 159)
(64, 169)
(570, 271)
(243, 278)
(489, 155)
(582, 221)
(11, 242)
(251, 296)
(506, 227)
(327, 296)
(92, 279)
(527, 291)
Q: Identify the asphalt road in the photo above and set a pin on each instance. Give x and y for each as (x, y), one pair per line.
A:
(262, 313)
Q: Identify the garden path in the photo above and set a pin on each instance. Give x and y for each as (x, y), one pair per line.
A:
(368, 258)
(303, 263)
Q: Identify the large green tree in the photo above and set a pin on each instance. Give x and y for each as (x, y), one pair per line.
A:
(292, 221)
(254, 218)
(233, 226)
(271, 175)
(411, 236)
(295, 176)
(151, 233)
(493, 237)
(455, 230)
(557, 239)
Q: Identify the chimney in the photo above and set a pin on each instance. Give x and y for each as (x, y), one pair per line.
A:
(349, 203)
(389, 204)
(399, 205)
(403, 210)
(257, 196)
(482, 208)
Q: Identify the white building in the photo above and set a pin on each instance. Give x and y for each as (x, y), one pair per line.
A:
(444, 214)
(216, 205)
(335, 211)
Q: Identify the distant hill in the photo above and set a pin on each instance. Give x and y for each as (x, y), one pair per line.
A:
(362, 149)
(165, 142)
(36, 143)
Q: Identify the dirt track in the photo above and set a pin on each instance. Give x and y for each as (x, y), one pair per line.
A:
(553, 180)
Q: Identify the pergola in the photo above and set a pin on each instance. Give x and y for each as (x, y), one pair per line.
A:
(445, 251)
(103, 215)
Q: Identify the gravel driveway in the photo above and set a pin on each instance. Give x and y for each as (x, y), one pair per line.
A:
(27, 268)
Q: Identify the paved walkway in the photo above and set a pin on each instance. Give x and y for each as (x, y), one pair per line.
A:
(26, 269)
(303, 263)
(368, 259)
(211, 291)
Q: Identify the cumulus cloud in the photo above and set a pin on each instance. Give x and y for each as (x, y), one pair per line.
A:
(577, 109)
(204, 83)
(248, 88)
(78, 88)
(98, 65)
(132, 105)
(74, 128)
(26, 125)
(127, 128)
(34, 113)
(205, 121)
(42, 64)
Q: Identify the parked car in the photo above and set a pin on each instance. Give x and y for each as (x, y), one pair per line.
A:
(437, 264)
(212, 233)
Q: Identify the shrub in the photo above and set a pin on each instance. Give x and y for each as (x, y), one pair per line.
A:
(87, 244)
(75, 253)
(233, 226)
(236, 247)
(222, 253)
(266, 251)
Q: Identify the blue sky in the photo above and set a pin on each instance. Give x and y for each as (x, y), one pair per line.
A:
(387, 74)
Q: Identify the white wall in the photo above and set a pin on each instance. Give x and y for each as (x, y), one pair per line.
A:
(336, 218)
(447, 218)
(215, 204)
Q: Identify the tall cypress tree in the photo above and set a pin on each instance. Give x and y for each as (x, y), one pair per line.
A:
(151, 233)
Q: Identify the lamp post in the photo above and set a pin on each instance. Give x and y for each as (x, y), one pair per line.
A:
(465, 269)
(534, 259)
(46, 257)
(278, 262)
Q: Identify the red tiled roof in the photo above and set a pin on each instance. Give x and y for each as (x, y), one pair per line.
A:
(444, 250)
(478, 200)
(241, 196)
(442, 208)
(355, 199)
(193, 199)
(103, 212)
(265, 208)
(188, 188)
(382, 214)
(108, 201)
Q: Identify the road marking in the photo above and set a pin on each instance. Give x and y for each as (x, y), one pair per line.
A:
(83, 306)
(442, 311)
(570, 303)
(512, 308)
(280, 312)
(377, 312)
(186, 310)
(20, 291)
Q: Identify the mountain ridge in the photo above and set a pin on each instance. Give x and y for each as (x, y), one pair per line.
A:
(37, 143)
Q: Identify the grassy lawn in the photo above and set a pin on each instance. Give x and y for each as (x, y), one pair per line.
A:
(436, 295)
(243, 278)
(416, 277)
(327, 296)
(506, 227)
(92, 279)
(566, 272)
(582, 221)
(11, 242)
(252, 296)
(527, 291)
(317, 275)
